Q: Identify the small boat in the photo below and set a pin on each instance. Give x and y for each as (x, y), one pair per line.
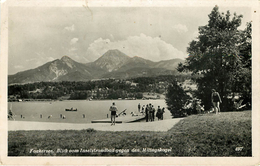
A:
(71, 109)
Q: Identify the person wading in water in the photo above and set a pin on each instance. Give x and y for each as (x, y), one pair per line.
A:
(215, 99)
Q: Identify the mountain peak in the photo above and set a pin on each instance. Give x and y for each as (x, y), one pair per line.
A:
(65, 58)
(115, 52)
(113, 64)
(137, 57)
(112, 60)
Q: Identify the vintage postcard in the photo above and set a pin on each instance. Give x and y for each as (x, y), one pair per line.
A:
(129, 82)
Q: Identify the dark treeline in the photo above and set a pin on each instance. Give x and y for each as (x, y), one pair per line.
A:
(98, 89)
(221, 57)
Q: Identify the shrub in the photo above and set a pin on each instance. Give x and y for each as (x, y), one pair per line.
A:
(176, 99)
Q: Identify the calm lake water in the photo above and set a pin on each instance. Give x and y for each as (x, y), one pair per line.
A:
(93, 110)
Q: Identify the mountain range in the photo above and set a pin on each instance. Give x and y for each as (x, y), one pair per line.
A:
(112, 64)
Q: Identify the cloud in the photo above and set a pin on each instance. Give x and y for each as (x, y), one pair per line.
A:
(147, 47)
(111, 37)
(74, 41)
(180, 28)
(29, 60)
(73, 49)
(70, 28)
(41, 59)
(18, 67)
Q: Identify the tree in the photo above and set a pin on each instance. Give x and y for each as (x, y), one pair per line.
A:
(220, 57)
(176, 98)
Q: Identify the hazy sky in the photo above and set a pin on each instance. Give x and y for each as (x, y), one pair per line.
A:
(41, 34)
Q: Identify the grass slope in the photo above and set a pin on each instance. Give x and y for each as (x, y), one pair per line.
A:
(206, 135)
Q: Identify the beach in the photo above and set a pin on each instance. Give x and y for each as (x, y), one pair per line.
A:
(162, 125)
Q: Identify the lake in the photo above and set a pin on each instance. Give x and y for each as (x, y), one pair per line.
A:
(93, 110)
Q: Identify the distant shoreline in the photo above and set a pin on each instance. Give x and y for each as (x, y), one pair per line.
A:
(50, 100)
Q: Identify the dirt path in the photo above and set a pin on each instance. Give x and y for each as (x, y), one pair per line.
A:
(163, 125)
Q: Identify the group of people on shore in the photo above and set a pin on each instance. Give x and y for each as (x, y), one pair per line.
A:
(149, 112)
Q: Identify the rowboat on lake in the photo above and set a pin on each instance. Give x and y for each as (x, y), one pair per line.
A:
(71, 109)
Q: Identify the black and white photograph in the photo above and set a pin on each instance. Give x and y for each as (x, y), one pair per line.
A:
(129, 81)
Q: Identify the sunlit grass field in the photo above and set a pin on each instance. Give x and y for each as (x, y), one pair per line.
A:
(225, 134)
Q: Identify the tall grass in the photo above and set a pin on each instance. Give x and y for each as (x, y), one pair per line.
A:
(206, 135)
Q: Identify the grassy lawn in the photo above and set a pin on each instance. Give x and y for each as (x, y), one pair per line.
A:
(196, 135)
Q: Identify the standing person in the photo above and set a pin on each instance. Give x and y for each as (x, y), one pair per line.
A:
(143, 109)
(146, 113)
(139, 107)
(159, 113)
(215, 99)
(150, 112)
(162, 112)
(153, 112)
(113, 110)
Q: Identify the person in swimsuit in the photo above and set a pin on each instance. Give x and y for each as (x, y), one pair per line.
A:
(113, 109)
(139, 107)
(215, 99)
